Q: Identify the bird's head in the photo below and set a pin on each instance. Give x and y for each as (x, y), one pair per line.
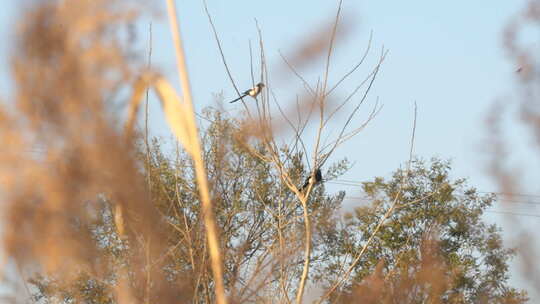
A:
(260, 85)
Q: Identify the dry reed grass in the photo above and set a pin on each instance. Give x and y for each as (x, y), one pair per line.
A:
(72, 66)
(519, 111)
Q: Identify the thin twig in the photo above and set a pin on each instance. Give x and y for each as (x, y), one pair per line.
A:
(216, 36)
(355, 67)
(297, 74)
(353, 93)
(349, 119)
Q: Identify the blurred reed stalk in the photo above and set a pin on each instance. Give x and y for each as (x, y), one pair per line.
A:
(208, 215)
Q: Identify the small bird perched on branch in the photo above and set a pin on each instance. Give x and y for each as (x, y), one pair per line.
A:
(317, 176)
(253, 92)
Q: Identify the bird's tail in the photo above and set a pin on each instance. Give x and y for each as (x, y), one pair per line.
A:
(237, 99)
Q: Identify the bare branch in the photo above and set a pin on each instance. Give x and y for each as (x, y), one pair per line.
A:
(386, 215)
(295, 72)
(355, 67)
(349, 119)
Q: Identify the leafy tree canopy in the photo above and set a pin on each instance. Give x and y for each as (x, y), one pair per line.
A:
(433, 246)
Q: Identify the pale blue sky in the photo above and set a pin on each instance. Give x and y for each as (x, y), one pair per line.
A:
(445, 55)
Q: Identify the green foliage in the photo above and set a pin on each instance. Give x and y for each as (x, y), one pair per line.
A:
(83, 289)
(436, 229)
(434, 247)
(259, 216)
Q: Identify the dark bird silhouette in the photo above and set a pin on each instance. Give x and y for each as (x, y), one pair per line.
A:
(253, 92)
(317, 176)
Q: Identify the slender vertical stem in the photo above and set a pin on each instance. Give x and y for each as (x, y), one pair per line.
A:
(316, 162)
(148, 273)
(208, 215)
(307, 250)
(149, 64)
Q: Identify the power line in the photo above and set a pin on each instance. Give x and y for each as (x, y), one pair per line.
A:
(517, 202)
(359, 183)
(490, 211)
(511, 194)
(348, 181)
(509, 202)
(513, 213)
(343, 184)
(524, 195)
